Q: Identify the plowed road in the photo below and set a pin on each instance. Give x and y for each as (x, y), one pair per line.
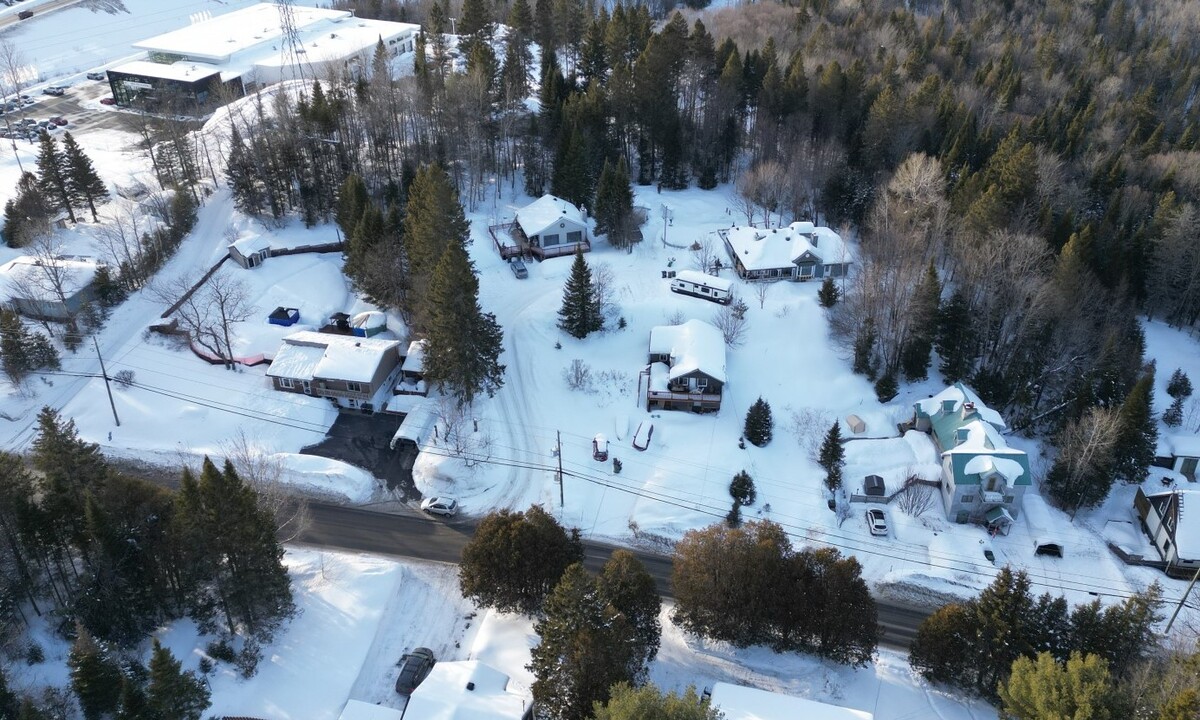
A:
(422, 538)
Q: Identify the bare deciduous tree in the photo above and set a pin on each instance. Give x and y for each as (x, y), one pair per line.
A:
(915, 497)
(760, 292)
(209, 314)
(808, 426)
(263, 470)
(731, 321)
(703, 254)
(604, 287)
(120, 240)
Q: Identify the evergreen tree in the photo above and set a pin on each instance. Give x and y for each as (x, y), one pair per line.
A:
(53, 173)
(22, 350)
(28, 214)
(520, 18)
(1080, 690)
(68, 469)
(8, 701)
(1173, 415)
(625, 583)
(649, 703)
(585, 646)
(955, 342)
(133, 700)
(741, 488)
(864, 349)
(832, 457)
(571, 180)
(580, 315)
(95, 678)
(434, 221)
(352, 202)
(914, 353)
(31, 711)
(614, 205)
(829, 293)
(173, 694)
(1179, 386)
(1138, 435)
(944, 647)
(514, 560)
(475, 25)
(462, 356)
(886, 388)
(759, 426)
(81, 177)
(235, 562)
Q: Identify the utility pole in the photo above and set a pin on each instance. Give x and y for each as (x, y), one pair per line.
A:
(558, 443)
(107, 387)
(1182, 600)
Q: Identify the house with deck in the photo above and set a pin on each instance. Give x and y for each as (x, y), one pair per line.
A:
(1172, 520)
(983, 479)
(686, 369)
(347, 369)
(52, 289)
(549, 227)
(800, 251)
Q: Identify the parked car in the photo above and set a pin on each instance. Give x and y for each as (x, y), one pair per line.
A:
(97, 76)
(108, 101)
(62, 122)
(414, 668)
(56, 92)
(444, 506)
(877, 521)
(25, 14)
(518, 268)
(641, 437)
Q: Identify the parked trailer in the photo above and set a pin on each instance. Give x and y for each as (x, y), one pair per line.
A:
(702, 285)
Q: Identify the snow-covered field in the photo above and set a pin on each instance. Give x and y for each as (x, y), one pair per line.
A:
(360, 614)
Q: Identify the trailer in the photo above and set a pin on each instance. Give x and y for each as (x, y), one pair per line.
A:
(704, 286)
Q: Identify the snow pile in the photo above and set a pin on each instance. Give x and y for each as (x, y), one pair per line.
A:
(326, 477)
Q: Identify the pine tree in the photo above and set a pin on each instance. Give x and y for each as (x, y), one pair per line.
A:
(22, 350)
(571, 180)
(955, 341)
(829, 293)
(580, 315)
(914, 354)
(832, 457)
(434, 221)
(27, 214)
(944, 647)
(864, 349)
(520, 18)
(741, 488)
(8, 701)
(462, 357)
(133, 700)
(759, 425)
(886, 388)
(52, 169)
(649, 703)
(475, 25)
(95, 678)
(614, 205)
(173, 694)
(82, 179)
(1179, 386)
(352, 202)
(625, 583)
(1081, 690)
(585, 647)
(1138, 435)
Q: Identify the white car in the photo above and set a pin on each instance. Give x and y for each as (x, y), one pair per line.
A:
(445, 506)
(877, 521)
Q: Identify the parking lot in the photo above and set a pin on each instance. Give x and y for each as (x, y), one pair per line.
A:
(79, 105)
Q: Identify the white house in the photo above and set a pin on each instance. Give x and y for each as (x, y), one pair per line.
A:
(1172, 520)
(800, 251)
(551, 226)
(467, 689)
(737, 702)
(686, 368)
(53, 289)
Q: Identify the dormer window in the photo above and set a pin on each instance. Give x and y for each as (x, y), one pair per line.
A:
(961, 435)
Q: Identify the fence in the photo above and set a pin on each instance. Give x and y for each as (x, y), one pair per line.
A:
(885, 499)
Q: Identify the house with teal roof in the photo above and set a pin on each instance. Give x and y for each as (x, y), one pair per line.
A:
(983, 479)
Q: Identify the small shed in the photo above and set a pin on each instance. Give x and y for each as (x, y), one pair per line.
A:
(368, 324)
(873, 486)
(250, 252)
(856, 424)
(285, 317)
(339, 322)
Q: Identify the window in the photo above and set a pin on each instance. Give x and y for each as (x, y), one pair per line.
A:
(575, 237)
(701, 383)
(968, 498)
(550, 239)
(354, 387)
(287, 383)
(1008, 499)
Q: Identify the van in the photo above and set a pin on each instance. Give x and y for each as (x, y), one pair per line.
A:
(701, 285)
(25, 14)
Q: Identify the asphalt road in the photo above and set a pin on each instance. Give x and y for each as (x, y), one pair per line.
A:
(37, 10)
(423, 538)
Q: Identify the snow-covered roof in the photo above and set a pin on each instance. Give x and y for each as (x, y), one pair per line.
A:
(25, 273)
(444, 695)
(1187, 530)
(695, 276)
(981, 464)
(660, 377)
(369, 320)
(1181, 445)
(767, 248)
(414, 361)
(694, 345)
(417, 423)
(252, 244)
(745, 703)
(959, 394)
(342, 357)
(546, 211)
(182, 70)
(359, 710)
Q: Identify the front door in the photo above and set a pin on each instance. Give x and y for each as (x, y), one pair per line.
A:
(307, 387)
(1189, 468)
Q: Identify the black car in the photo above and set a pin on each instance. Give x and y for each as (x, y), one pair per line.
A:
(414, 668)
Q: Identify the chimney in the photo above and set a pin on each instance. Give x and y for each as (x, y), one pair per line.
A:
(470, 686)
(968, 409)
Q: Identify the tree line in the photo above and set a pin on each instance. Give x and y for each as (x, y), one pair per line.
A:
(110, 558)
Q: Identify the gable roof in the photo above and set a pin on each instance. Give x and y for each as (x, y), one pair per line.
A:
(26, 273)
(768, 248)
(1187, 525)
(1180, 445)
(444, 695)
(745, 703)
(959, 394)
(546, 211)
(359, 710)
(250, 245)
(968, 432)
(694, 345)
(308, 355)
(414, 361)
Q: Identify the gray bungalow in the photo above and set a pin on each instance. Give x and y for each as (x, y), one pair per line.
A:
(348, 369)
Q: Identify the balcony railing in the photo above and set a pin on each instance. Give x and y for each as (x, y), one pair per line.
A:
(684, 396)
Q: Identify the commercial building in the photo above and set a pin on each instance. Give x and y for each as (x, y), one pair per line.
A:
(248, 48)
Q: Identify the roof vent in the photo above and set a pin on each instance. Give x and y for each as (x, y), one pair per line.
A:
(470, 686)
